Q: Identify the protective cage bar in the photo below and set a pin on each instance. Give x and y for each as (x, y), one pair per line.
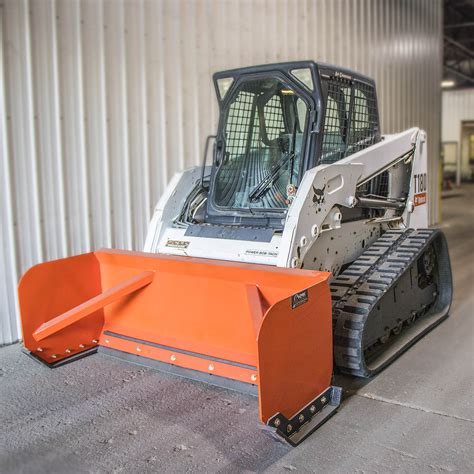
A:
(351, 119)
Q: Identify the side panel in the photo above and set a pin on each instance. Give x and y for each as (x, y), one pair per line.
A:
(295, 353)
(174, 241)
(170, 205)
(322, 189)
(419, 190)
(327, 187)
(340, 246)
(50, 289)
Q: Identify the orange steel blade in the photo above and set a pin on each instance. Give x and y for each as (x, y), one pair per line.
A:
(227, 319)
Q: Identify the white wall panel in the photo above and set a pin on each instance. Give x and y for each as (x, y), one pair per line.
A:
(71, 62)
(95, 122)
(47, 118)
(458, 105)
(105, 100)
(8, 248)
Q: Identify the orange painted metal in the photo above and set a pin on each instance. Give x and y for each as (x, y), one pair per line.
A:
(94, 304)
(202, 364)
(52, 288)
(223, 318)
(295, 353)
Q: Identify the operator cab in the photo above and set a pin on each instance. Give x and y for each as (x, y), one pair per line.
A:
(276, 122)
(266, 115)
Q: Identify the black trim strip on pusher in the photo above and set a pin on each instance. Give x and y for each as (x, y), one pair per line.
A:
(66, 360)
(179, 351)
(210, 379)
(308, 419)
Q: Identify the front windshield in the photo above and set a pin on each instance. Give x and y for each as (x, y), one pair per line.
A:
(262, 138)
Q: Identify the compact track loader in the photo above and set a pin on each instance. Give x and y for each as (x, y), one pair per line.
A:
(302, 246)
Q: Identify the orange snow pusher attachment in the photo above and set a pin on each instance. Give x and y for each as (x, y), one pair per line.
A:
(250, 327)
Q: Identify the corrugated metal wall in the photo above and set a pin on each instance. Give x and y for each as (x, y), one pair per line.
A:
(105, 100)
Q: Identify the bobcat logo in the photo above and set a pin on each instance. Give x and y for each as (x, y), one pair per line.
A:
(318, 196)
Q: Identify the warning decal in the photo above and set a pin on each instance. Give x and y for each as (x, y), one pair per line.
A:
(177, 244)
(299, 298)
(419, 199)
(420, 188)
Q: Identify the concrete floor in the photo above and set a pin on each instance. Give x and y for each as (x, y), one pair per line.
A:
(101, 415)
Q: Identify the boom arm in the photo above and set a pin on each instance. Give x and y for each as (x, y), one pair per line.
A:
(325, 189)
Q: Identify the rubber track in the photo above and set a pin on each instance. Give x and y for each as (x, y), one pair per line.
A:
(358, 289)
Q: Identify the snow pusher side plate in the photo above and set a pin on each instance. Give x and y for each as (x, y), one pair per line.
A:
(266, 326)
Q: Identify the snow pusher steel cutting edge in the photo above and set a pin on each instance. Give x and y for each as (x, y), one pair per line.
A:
(261, 326)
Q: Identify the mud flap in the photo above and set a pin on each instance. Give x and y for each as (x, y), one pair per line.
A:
(263, 326)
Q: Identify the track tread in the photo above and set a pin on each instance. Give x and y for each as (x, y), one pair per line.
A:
(358, 290)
